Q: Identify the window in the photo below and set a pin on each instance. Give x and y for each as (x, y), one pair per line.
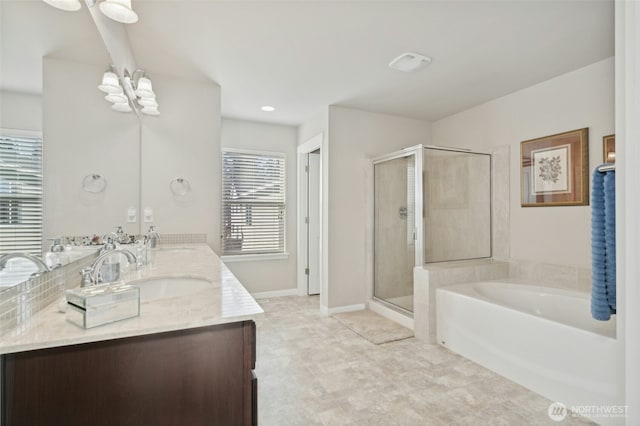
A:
(20, 194)
(253, 202)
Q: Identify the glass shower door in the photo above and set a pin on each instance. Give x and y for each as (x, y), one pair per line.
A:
(395, 230)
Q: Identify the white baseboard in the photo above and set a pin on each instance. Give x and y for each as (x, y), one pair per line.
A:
(388, 313)
(275, 293)
(341, 309)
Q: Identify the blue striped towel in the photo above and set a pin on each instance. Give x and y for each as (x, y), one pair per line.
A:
(603, 245)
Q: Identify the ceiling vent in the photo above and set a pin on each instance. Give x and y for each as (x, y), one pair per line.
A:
(410, 61)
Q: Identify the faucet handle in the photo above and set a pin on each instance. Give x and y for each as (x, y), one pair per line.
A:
(87, 280)
(56, 246)
(121, 236)
(109, 242)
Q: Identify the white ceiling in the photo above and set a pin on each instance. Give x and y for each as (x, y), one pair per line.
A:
(301, 56)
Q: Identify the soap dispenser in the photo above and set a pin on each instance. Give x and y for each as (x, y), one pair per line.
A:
(151, 241)
(141, 253)
(56, 255)
(152, 238)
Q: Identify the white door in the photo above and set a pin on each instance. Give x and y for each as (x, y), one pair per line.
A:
(313, 222)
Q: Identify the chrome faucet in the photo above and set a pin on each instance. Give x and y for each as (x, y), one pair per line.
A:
(42, 267)
(97, 264)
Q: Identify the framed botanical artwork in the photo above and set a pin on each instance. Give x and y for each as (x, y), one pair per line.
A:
(609, 148)
(554, 170)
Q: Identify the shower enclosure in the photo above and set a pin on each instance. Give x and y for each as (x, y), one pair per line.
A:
(431, 204)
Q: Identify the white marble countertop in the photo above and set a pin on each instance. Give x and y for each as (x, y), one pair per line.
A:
(225, 301)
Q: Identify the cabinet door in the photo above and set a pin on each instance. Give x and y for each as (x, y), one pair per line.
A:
(254, 394)
(188, 377)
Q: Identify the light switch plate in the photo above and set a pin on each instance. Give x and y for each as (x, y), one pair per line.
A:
(132, 215)
(148, 215)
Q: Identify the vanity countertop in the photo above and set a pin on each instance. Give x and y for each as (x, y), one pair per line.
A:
(225, 301)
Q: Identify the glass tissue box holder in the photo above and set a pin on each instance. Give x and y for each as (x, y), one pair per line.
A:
(90, 307)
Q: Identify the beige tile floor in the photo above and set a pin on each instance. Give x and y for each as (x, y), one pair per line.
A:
(312, 370)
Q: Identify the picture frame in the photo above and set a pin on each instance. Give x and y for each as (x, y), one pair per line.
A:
(553, 170)
(609, 149)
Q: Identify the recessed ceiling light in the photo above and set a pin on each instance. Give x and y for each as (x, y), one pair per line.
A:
(409, 61)
(268, 108)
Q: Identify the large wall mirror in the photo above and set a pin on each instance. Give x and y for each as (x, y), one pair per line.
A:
(103, 168)
(90, 154)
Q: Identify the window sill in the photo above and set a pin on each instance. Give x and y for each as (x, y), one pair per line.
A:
(254, 257)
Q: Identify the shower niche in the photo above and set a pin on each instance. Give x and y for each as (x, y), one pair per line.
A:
(431, 204)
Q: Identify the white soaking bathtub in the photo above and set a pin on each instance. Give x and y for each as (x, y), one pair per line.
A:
(542, 338)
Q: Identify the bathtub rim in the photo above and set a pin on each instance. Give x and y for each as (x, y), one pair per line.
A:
(455, 288)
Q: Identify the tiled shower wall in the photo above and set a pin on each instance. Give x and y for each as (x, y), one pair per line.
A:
(500, 228)
(457, 205)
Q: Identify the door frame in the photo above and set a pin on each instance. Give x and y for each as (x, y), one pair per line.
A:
(316, 142)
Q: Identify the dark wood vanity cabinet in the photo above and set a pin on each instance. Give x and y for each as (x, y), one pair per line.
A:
(199, 376)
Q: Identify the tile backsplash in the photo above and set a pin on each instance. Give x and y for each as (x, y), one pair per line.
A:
(164, 238)
(183, 238)
(19, 303)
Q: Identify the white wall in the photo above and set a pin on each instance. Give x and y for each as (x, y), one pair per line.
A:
(82, 136)
(355, 137)
(318, 123)
(268, 275)
(21, 111)
(183, 141)
(628, 203)
(582, 98)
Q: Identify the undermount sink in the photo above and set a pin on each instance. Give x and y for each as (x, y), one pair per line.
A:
(168, 287)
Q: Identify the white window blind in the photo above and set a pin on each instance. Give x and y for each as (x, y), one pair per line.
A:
(253, 202)
(20, 195)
